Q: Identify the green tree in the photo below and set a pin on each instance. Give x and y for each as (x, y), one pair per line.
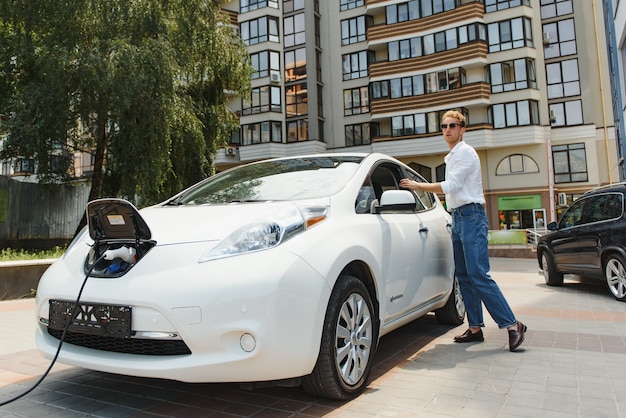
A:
(141, 84)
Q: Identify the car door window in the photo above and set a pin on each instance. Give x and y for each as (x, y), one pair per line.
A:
(574, 215)
(426, 199)
(614, 206)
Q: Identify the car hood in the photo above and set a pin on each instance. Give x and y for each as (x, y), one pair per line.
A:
(180, 224)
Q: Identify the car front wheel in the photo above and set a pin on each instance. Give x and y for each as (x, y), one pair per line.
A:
(550, 275)
(615, 275)
(349, 340)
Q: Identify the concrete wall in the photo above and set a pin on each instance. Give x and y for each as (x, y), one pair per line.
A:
(19, 279)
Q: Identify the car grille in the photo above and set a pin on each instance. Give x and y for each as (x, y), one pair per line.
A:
(124, 345)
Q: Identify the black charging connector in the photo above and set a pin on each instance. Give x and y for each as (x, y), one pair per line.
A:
(67, 325)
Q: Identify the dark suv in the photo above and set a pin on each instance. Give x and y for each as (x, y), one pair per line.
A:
(589, 240)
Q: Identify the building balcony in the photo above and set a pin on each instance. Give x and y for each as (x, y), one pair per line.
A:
(464, 96)
(467, 55)
(466, 12)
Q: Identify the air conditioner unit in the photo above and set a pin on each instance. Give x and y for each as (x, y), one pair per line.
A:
(275, 76)
(231, 151)
(562, 199)
(546, 38)
(552, 116)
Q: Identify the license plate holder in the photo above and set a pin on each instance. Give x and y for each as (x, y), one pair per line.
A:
(91, 318)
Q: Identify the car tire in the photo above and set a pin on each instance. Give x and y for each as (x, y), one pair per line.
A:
(453, 313)
(615, 275)
(550, 275)
(349, 341)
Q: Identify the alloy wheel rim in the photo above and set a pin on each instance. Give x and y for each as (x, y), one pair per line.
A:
(616, 278)
(353, 339)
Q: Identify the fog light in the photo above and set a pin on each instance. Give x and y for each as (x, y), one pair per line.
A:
(247, 342)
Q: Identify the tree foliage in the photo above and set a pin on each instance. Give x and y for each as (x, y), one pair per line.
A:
(141, 84)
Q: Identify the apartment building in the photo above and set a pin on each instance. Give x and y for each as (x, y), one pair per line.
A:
(531, 76)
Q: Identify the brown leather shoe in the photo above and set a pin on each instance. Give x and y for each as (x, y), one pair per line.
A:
(469, 336)
(516, 336)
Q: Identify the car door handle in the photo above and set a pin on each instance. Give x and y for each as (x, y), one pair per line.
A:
(423, 229)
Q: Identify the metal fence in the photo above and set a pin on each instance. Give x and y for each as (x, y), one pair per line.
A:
(36, 215)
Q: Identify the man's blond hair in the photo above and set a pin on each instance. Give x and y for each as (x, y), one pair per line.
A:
(455, 114)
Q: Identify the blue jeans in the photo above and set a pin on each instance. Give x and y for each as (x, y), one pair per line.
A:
(471, 261)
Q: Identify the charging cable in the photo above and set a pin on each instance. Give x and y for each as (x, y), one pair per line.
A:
(67, 325)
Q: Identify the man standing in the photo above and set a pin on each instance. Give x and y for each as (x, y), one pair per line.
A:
(465, 199)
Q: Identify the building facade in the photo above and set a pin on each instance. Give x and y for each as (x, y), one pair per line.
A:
(531, 76)
(615, 25)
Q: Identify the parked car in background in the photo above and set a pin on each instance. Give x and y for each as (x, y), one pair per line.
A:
(589, 240)
(285, 271)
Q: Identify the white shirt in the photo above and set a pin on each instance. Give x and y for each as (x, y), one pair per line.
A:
(464, 182)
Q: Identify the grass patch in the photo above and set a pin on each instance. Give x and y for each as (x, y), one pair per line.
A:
(9, 254)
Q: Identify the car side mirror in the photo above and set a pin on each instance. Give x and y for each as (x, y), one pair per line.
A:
(397, 201)
(552, 226)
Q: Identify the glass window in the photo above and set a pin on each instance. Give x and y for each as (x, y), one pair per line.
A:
(561, 38)
(356, 101)
(259, 30)
(296, 100)
(292, 5)
(262, 99)
(298, 130)
(570, 163)
(509, 34)
(354, 30)
(295, 65)
(350, 4)
(554, 8)
(294, 30)
(567, 113)
(360, 134)
(521, 113)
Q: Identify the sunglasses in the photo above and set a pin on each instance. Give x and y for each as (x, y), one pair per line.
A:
(452, 125)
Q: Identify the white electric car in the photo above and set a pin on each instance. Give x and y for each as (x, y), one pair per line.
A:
(284, 271)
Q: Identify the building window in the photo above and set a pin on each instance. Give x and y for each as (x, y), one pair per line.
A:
(292, 5)
(294, 30)
(262, 99)
(435, 42)
(295, 65)
(440, 173)
(249, 5)
(354, 30)
(356, 101)
(298, 130)
(516, 164)
(296, 100)
(570, 163)
(415, 124)
(513, 75)
(361, 134)
(495, 5)
(553, 8)
(420, 84)
(522, 113)
(24, 166)
(561, 39)
(567, 113)
(263, 62)
(261, 133)
(259, 30)
(563, 79)
(510, 34)
(350, 4)
(355, 65)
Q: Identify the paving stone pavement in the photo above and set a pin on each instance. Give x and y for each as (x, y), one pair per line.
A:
(572, 364)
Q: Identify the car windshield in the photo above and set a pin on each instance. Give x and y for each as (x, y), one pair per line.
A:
(286, 179)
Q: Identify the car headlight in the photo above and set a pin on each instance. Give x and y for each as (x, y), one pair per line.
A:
(267, 231)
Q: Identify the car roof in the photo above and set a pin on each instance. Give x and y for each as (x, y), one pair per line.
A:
(615, 187)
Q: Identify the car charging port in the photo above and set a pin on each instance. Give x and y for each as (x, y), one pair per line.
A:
(121, 237)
